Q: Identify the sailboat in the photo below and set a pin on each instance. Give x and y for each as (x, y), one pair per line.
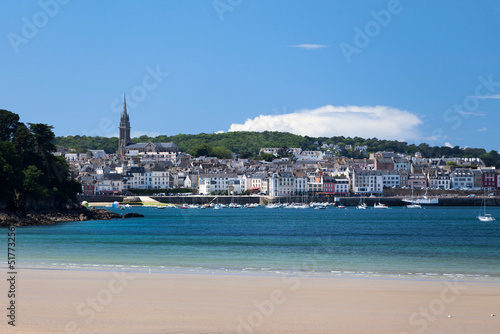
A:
(413, 204)
(362, 205)
(483, 216)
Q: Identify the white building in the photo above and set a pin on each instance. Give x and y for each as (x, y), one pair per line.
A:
(366, 181)
(310, 155)
(256, 181)
(391, 179)
(341, 186)
(209, 183)
(439, 180)
(462, 178)
(300, 184)
(282, 184)
(109, 183)
(136, 178)
(159, 179)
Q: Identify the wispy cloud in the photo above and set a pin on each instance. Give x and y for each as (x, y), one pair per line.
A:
(483, 129)
(494, 96)
(472, 113)
(309, 46)
(363, 121)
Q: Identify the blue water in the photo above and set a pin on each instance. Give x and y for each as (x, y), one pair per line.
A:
(433, 241)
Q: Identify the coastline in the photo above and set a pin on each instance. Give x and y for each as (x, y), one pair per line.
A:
(56, 301)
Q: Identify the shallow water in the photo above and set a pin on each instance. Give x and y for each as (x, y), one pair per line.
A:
(428, 242)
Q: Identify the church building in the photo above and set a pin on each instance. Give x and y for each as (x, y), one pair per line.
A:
(125, 147)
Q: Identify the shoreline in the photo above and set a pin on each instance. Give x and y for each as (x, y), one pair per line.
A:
(58, 301)
(247, 272)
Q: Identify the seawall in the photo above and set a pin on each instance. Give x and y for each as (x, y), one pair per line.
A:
(348, 201)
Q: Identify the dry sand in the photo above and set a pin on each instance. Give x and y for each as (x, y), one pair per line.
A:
(60, 301)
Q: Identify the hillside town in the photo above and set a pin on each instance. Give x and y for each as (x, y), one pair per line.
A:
(163, 166)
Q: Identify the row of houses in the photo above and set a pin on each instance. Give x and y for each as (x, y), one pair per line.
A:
(102, 173)
(285, 183)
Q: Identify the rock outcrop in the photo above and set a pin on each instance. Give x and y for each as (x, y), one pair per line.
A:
(50, 217)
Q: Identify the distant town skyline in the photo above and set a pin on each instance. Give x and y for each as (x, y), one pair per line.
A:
(418, 71)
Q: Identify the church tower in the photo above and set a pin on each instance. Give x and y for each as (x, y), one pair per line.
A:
(124, 130)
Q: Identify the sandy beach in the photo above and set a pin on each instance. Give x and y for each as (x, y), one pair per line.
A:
(63, 301)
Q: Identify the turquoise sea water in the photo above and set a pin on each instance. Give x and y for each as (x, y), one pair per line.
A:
(433, 241)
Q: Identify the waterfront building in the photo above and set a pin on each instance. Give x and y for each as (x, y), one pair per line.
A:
(366, 181)
(391, 179)
(462, 178)
(439, 179)
(219, 182)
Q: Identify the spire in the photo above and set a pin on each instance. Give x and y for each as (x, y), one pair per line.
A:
(124, 114)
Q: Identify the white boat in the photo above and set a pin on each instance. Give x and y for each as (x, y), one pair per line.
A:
(273, 206)
(218, 206)
(362, 205)
(487, 217)
(161, 207)
(483, 216)
(414, 206)
(423, 200)
(380, 206)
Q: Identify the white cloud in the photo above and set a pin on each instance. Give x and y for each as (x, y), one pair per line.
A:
(447, 144)
(218, 132)
(309, 46)
(363, 121)
(483, 129)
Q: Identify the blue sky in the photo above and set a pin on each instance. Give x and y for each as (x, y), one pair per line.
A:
(420, 71)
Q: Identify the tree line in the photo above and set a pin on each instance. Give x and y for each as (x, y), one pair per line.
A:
(248, 144)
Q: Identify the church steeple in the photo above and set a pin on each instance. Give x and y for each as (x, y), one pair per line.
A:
(124, 113)
(124, 139)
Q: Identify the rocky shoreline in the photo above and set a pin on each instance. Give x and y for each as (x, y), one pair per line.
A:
(50, 217)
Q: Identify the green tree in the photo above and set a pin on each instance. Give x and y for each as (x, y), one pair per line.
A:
(29, 172)
(8, 124)
(202, 150)
(221, 152)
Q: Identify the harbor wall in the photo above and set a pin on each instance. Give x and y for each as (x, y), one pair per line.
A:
(263, 200)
